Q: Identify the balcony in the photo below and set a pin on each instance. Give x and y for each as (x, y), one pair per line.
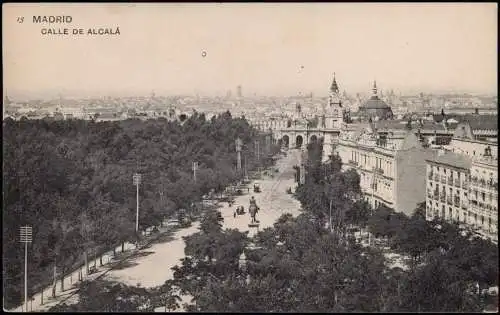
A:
(436, 195)
(457, 183)
(493, 184)
(465, 185)
(482, 183)
(450, 181)
(352, 162)
(456, 202)
(464, 205)
(443, 179)
(430, 176)
(436, 178)
(442, 198)
(378, 170)
(449, 201)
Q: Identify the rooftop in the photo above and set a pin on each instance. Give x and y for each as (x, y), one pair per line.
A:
(477, 122)
(452, 159)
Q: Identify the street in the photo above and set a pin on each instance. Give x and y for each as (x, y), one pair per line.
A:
(154, 268)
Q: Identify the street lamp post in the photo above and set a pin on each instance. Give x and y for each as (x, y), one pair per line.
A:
(26, 237)
(195, 168)
(239, 144)
(257, 149)
(137, 181)
(331, 227)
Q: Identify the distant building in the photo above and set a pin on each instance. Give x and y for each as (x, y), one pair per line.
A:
(239, 93)
(374, 108)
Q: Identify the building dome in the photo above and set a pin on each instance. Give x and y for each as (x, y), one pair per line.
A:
(375, 102)
(375, 107)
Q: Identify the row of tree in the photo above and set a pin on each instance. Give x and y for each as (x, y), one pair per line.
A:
(71, 181)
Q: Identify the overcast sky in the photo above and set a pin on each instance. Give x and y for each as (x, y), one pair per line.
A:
(270, 49)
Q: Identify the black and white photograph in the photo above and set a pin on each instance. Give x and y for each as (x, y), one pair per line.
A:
(250, 157)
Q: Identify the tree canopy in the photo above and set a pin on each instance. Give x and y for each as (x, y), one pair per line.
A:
(71, 180)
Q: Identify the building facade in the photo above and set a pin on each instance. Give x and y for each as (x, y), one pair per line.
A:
(484, 196)
(464, 189)
(391, 167)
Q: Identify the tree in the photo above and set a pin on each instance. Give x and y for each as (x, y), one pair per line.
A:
(167, 296)
(107, 296)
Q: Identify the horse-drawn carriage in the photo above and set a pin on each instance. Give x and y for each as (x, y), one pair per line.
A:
(256, 188)
(240, 210)
(184, 218)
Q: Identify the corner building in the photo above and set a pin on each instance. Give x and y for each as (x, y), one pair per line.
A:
(391, 166)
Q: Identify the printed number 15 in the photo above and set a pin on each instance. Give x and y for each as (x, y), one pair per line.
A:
(20, 19)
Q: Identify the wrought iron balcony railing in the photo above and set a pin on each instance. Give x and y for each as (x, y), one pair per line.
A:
(352, 162)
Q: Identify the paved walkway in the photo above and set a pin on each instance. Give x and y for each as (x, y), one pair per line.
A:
(72, 279)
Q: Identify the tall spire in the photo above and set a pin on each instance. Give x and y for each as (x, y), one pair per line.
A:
(334, 87)
(374, 87)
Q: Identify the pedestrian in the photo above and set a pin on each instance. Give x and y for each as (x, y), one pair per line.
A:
(234, 214)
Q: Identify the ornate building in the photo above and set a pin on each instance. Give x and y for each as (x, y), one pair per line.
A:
(375, 108)
(334, 118)
(335, 114)
(391, 165)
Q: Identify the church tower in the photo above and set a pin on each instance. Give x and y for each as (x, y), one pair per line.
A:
(333, 119)
(334, 111)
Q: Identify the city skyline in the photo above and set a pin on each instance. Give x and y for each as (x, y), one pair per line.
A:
(268, 49)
